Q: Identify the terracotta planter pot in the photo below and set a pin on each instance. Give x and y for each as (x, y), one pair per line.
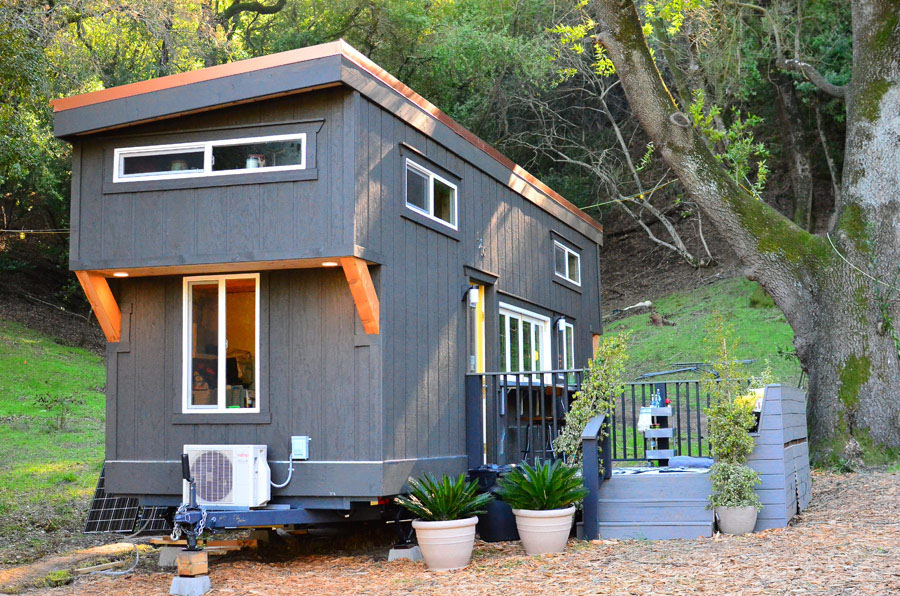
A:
(446, 545)
(736, 520)
(544, 531)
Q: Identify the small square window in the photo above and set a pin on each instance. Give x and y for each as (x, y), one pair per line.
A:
(566, 263)
(430, 195)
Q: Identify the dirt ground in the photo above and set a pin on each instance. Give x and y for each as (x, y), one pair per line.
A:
(847, 542)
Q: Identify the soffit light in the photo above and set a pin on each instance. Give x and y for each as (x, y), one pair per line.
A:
(329, 264)
(120, 274)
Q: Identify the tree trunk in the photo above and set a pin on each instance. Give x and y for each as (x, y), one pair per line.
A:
(842, 319)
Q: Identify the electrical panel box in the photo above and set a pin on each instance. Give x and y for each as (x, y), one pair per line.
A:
(300, 447)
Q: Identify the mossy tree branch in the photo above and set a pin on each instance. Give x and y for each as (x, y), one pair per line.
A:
(784, 257)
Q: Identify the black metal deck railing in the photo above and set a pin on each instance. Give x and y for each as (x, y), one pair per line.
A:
(514, 417)
(688, 400)
(688, 421)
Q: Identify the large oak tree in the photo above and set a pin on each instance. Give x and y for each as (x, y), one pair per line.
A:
(839, 291)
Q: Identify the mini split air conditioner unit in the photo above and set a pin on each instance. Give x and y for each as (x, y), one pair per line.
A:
(229, 475)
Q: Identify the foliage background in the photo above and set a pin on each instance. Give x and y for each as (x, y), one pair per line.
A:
(510, 70)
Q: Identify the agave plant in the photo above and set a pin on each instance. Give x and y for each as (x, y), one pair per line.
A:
(541, 487)
(446, 499)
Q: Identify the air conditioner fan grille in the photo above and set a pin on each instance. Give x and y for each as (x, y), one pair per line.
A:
(213, 473)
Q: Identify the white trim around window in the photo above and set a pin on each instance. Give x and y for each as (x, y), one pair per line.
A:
(569, 267)
(220, 407)
(532, 333)
(428, 208)
(206, 149)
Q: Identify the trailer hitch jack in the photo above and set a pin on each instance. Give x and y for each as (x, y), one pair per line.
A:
(190, 519)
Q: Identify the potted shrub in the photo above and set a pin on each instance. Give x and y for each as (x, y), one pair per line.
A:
(543, 499)
(730, 418)
(734, 497)
(447, 511)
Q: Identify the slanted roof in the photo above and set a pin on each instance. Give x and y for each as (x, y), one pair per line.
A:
(296, 71)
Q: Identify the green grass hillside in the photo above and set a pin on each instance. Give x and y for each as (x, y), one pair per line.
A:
(758, 323)
(48, 466)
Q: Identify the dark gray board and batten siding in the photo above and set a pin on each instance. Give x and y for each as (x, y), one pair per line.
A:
(424, 278)
(316, 378)
(245, 217)
(378, 408)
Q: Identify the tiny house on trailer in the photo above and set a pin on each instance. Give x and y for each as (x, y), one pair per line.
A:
(296, 260)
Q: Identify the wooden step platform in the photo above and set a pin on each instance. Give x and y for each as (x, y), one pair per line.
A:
(655, 505)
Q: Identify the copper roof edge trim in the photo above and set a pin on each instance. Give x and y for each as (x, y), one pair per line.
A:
(334, 48)
(189, 77)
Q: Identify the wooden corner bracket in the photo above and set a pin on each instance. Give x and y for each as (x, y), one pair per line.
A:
(103, 302)
(363, 291)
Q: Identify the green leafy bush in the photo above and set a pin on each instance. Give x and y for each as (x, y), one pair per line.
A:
(730, 419)
(446, 499)
(542, 487)
(733, 486)
(601, 387)
(729, 423)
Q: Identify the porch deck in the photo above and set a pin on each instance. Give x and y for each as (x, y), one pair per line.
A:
(520, 414)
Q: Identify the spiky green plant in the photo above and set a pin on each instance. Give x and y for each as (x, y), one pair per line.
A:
(541, 487)
(446, 499)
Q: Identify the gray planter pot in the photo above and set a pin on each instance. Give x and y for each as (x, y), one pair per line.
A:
(736, 520)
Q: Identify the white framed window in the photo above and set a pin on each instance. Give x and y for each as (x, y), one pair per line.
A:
(271, 153)
(566, 263)
(221, 344)
(431, 195)
(524, 340)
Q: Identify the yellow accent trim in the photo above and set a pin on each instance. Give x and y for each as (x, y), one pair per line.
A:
(479, 336)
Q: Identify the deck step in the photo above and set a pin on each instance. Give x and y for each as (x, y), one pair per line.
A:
(655, 530)
(687, 486)
(655, 506)
(650, 511)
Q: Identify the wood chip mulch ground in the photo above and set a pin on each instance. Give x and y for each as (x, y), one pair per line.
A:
(847, 542)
